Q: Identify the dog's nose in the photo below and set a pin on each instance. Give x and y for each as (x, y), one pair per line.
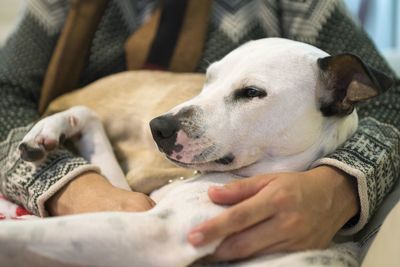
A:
(164, 129)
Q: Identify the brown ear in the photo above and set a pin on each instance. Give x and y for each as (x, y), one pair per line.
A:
(348, 80)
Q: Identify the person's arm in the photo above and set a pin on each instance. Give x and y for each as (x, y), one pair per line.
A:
(371, 155)
(62, 177)
(91, 192)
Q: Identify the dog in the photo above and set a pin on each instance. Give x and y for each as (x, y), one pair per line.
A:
(271, 105)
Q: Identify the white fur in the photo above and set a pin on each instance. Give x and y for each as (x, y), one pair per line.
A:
(283, 131)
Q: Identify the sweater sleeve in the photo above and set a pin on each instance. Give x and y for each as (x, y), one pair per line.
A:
(371, 155)
(23, 62)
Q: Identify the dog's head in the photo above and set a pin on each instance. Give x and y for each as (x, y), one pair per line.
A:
(268, 98)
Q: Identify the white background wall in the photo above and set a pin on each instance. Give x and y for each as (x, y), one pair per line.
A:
(382, 23)
(9, 12)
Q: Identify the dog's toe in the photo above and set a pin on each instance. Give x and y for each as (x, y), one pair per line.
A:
(31, 153)
(49, 144)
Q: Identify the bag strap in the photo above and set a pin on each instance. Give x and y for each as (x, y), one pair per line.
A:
(72, 49)
(172, 39)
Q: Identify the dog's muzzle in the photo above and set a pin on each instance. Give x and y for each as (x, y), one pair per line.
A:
(164, 130)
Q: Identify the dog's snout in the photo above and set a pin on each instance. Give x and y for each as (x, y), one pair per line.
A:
(164, 130)
(163, 127)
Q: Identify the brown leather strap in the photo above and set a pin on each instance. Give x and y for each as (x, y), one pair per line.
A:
(138, 45)
(189, 45)
(72, 49)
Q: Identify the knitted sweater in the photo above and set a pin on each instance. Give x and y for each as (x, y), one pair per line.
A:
(371, 155)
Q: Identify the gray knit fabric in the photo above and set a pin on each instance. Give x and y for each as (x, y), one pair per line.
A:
(371, 155)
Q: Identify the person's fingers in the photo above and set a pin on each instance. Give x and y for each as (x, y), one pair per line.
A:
(239, 190)
(265, 235)
(247, 213)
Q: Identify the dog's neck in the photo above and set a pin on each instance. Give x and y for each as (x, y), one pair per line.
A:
(334, 133)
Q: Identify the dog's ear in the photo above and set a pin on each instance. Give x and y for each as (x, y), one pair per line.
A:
(347, 81)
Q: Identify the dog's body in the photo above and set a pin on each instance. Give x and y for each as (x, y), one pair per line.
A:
(271, 105)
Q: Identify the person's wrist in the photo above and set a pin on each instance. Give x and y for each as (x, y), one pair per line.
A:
(72, 197)
(342, 190)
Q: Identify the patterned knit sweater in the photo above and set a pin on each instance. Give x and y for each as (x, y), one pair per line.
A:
(371, 155)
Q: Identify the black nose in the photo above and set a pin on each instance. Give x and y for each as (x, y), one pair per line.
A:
(164, 130)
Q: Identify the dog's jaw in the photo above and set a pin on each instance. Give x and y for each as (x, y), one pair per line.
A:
(335, 132)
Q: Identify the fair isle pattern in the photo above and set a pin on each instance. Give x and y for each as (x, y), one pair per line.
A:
(303, 20)
(377, 147)
(223, 37)
(267, 17)
(218, 44)
(237, 18)
(372, 152)
(49, 13)
(14, 172)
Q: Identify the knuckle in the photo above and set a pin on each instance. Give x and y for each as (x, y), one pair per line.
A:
(238, 217)
(265, 179)
(237, 185)
(239, 248)
(284, 199)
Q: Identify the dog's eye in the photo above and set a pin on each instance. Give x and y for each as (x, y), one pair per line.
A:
(250, 92)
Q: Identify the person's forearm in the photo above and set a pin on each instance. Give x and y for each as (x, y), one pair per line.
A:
(341, 188)
(91, 192)
(73, 197)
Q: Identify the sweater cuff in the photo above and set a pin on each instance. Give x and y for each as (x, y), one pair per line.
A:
(371, 157)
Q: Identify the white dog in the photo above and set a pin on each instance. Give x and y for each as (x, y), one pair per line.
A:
(271, 105)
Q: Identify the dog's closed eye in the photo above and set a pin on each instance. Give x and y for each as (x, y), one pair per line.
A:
(249, 92)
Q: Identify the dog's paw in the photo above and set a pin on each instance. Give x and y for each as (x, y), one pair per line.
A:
(40, 140)
(37, 149)
(44, 137)
(48, 133)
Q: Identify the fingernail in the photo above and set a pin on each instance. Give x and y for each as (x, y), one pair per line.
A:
(196, 238)
(217, 188)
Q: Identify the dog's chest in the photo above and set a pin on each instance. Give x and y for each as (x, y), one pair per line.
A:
(190, 191)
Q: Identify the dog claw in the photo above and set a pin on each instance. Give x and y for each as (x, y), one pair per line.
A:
(29, 153)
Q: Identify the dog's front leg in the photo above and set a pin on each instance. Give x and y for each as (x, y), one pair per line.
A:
(87, 132)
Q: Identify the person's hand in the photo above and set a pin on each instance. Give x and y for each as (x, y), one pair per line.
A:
(91, 192)
(278, 213)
